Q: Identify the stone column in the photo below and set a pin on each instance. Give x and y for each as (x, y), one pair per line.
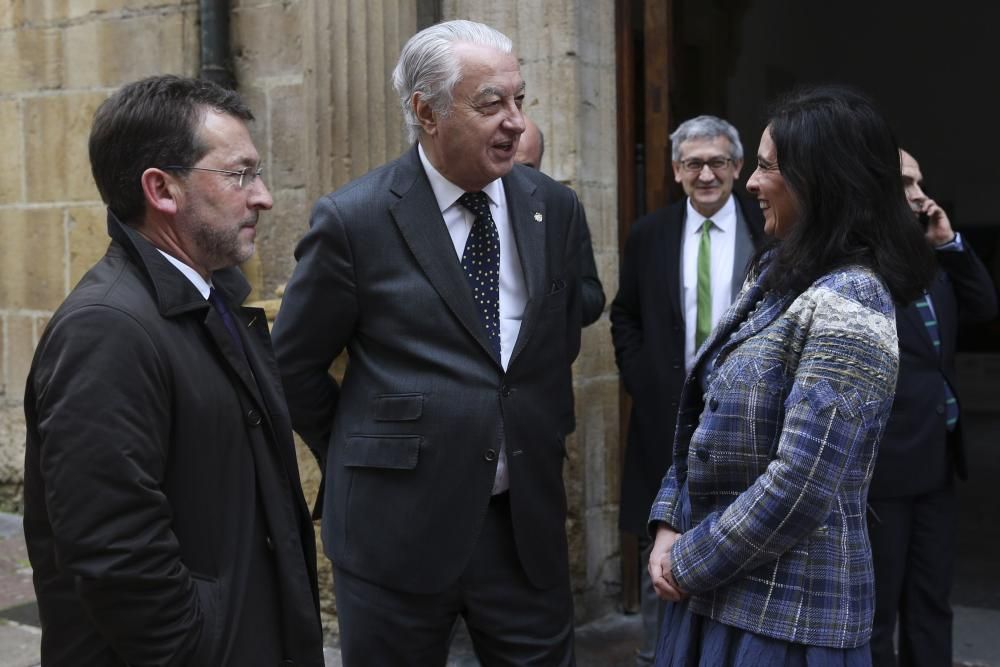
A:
(354, 119)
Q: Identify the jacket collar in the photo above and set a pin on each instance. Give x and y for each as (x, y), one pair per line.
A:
(173, 296)
(415, 213)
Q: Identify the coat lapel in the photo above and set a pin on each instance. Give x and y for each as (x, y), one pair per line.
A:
(751, 312)
(528, 219)
(742, 251)
(419, 220)
(672, 270)
(910, 316)
(244, 362)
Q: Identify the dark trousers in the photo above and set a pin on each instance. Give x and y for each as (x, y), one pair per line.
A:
(913, 547)
(510, 622)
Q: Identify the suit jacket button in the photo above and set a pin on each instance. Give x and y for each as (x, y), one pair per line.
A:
(490, 455)
(713, 404)
(504, 391)
(269, 543)
(253, 417)
(703, 454)
(940, 409)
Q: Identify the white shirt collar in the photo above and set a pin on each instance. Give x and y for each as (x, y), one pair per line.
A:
(724, 218)
(446, 192)
(200, 284)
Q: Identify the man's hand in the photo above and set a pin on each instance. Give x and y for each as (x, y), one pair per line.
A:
(660, 563)
(939, 229)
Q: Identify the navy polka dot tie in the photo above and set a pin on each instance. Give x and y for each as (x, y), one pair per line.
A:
(481, 261)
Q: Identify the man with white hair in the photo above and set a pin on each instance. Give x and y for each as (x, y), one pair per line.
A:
(450, 276)
(681, 268)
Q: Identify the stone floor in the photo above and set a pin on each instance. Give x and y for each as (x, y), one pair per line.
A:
(606, 642)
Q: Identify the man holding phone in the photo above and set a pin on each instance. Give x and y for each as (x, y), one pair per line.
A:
(912, 496)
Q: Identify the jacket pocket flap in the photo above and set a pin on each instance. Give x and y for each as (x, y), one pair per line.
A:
(398, 452)
(399, 407)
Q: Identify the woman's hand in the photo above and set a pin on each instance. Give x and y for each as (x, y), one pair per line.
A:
(660, 564)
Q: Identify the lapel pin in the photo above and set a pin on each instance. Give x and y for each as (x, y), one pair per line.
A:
(538, 216)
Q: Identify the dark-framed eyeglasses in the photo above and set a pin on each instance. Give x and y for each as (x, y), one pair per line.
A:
(247, 175)
(694, 165)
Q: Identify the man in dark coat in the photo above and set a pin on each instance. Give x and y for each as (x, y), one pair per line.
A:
(164, 516)
(658, 319)
(914, 513)
(530, 151)
(450, 276)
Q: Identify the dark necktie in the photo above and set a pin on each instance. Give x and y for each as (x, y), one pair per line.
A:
(923, 305)
(227, 318)
(481, 261)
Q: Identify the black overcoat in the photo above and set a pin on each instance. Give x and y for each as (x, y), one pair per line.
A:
(163, 513)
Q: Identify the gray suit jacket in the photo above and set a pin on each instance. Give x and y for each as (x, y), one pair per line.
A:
(409, 442)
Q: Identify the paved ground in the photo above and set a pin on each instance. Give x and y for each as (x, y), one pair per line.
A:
(607, 642)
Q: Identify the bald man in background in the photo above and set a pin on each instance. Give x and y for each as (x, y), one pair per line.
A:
(529, 153)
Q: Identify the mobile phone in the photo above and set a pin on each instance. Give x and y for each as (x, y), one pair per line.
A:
(924, 219)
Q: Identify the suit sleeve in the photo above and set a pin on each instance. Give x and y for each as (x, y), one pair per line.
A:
(974, 290)
(840, 397)
(626, 315)
(575, 303)
(103, 471)
(592, 293)
(317, 317)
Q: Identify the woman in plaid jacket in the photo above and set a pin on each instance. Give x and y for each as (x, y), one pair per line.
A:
(761, 543)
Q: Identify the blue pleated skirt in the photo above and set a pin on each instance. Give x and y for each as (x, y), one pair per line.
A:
(692, 640)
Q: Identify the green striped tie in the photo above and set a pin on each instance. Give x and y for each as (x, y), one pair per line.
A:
(703, 323)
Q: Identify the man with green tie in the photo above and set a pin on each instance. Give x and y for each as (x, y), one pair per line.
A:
(682, 267)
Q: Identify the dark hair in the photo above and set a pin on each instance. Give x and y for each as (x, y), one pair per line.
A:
(151, 123)
(841, 162)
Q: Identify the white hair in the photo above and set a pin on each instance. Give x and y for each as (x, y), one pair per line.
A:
(705, 127)
(427, 65)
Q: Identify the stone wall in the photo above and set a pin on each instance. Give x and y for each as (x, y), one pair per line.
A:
(316, 74)
(59, 59)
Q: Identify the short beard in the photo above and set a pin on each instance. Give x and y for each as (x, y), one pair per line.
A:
(222, 247)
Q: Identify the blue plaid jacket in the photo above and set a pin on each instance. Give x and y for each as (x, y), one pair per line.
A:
(777, 455)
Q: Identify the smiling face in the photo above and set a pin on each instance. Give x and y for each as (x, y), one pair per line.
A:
(707, 188)
(216, 219)
(777, 202)
(476, 141)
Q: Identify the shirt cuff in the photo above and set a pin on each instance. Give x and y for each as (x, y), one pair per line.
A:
(954, 245)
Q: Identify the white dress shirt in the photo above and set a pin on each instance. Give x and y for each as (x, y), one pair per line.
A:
(723, 237)
(513, 292)
(189, 273)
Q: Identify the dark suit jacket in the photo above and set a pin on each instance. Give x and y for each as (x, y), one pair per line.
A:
(410, 439)
(917, 453)
(591, 291)
(647, 327)
(163, 511)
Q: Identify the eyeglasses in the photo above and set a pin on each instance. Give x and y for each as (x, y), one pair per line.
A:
(247, 174)
(695, 165)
